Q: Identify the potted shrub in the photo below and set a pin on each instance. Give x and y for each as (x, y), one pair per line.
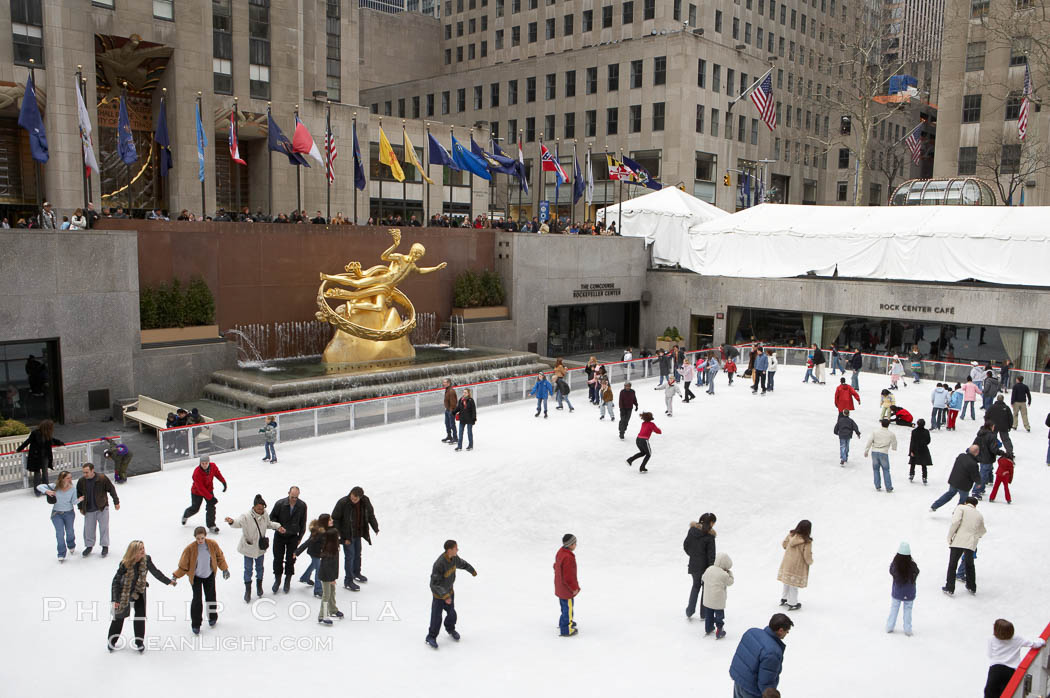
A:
(669, 338)
(479, 296)
(169, 313)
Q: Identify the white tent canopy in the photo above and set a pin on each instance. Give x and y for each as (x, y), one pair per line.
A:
(996, 244)
(663, 218)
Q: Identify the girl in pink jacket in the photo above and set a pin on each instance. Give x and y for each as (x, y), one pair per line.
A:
(970, 393)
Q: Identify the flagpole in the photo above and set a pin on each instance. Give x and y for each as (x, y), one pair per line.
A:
(404, 182)
(605, 188)
(587, 178)
(426, 184)
(557, 184)
(298, 171)
(379, 221)
(572, 198)
(470, 196)
(204, 205)
(543, 186)
(233, 170)
(83, 160)
(328, 161)
(269, 164)
(356, 222)
(127, 174)
(492, 182)
(160, 180)
(619, 223)
(452, 133)
(745, 93)
(36, 163)
(523, 174)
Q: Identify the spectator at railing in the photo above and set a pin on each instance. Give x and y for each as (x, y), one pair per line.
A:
(1004, 655)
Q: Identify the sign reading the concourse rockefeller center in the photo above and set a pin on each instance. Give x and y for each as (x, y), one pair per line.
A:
(928, 309)
(594, 290)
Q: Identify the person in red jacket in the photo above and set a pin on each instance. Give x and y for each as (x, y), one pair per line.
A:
(1004, 475)
(901, 417)
(202, 490)
(844, 396)
(566, 587)
(645, 451)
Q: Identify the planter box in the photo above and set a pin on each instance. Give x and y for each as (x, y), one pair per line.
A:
(668, 346)
(180, 334)
(492, 312)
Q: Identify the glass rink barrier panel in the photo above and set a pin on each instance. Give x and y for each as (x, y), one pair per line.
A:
(71, 457)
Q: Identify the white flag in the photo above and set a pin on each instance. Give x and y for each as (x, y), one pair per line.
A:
(84, 121)
(589, 193)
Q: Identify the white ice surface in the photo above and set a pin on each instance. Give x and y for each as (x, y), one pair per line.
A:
(760, 463)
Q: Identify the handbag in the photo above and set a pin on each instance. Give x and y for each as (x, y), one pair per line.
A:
(264, 542)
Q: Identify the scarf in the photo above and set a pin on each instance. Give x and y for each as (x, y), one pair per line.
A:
(138, 574)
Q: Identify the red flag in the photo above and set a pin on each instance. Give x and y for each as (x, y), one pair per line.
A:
(303, 142)
(235, 151)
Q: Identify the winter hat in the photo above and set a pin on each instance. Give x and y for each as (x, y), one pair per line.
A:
(259, 500)
(973, 363)
(905, 549)
(567, 540)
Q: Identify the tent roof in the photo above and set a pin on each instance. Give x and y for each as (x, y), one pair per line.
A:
(669, 201)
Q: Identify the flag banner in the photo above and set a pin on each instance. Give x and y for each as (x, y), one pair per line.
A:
(440, 156)
(278, 142)
(550, 164)
(411, 159)
(497, 162)
(161, 137)
(1022, 114)
(235, 149)
(914, 143)
(389, 158)
(762, 96)
(578, 185)
(359, 165)
(640, 175)
(29, 119)
(202, 143)
(522, 173)
(303, 142)
(468, 161)
(618, 170)
(84, 122)
(590, 180)
(330, 153)
(125, 141)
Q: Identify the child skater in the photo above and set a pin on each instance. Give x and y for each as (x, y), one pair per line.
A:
(716, 580)
(904, 572)
(1004, 475)
(730, 369)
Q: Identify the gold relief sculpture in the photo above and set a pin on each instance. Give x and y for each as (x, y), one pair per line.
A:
(375, 319)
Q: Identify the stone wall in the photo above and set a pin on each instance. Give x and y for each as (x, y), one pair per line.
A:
(178, 373)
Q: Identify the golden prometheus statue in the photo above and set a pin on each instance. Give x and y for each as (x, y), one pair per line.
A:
(368, 325)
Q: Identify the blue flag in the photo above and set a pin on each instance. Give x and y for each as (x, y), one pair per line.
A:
(279, 142)
(578, 185)
(161, 136)
(440, 156)
(641, 175)
(497, 164)
(202, 143)
(29, 119)
(469, 161)
(125, 141)
(359, 167)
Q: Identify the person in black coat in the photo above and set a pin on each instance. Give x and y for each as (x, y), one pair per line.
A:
(699, 545)
(988, 445)
(290, 513)
(128, 591)
(1000, 416)
(40, 459)
(919, 450)
(353, 515)
(467, 414)
(965, 473)
(856, 363)
(818, 363)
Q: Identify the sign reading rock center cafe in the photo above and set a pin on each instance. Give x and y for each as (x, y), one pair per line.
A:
(935, 310)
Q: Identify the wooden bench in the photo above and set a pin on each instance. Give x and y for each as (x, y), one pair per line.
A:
(146, 410)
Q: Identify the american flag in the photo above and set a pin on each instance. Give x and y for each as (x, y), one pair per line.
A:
(762, 96)
(330, 152)
(1022, 115)
(914, 142)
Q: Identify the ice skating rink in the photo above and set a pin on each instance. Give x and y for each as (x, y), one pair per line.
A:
(760, 463)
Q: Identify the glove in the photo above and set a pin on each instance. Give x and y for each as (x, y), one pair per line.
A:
(225, 574)
(224, 487)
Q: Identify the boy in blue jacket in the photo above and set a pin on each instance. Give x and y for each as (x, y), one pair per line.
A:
(541, 390)
(759, 658)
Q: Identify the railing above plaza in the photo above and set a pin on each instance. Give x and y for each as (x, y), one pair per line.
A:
(71, 456)
(1032, 676)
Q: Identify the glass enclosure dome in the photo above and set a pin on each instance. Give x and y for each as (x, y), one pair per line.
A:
(957, 191)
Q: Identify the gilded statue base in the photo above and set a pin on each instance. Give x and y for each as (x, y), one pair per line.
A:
(345, 348)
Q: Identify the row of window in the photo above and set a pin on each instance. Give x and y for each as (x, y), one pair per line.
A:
(648, 8)
(976, 51)
(1009, 160)
(971, 109)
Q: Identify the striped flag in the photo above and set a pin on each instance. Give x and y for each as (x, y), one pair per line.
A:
(235, 150)
(914, 143)
(1022, 115)
(330, 152)
(762, 96)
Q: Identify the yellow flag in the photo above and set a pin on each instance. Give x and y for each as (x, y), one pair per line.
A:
(411, 159)
(388, 158)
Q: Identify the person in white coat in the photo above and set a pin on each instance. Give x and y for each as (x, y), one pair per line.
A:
(771, 369)
(254, 543)
(669, 392)
(1004, 654)
(879, 444)
(965, 530)
(716, 580)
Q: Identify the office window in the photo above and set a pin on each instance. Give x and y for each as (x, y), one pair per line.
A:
(448, 56)
(415, 107)
(470, 52)
(592, 81)
(222, 46)
(975, 51)
(530, 90)
(628, 12)
(550, 90)
(736, 28)
(1013, 106)
(532, 33)
(650, 9)
(512, 92)
(567, 25)
(614, 77)
(515, 36)
(971, 109)
(759, 38)
(472, 25)
(692, 15)
(590, 123)
(658, 115)
(730, 80)
(548, 127)
(446, 98)
(700, 118)
(401, 108)
(714, 122)
(484, 48)
(747, 33)
(461, 99)
(727, 128)
(494, 94)
(552, 29)
(570, 83)
(259, 48)
(660, 70)
(1019, 49)
(978, 8)
(841, 190)
(701, 73)
(499, 39)
(718, 21)
(636, 74)
(706, 165)
(459, 28)
(164, 9)
(968, 161)
(754, 132)
(793, 16)
(515, 7)
(843, 158)
(676, 10)
(634, 118)
(607, 16)
(484, 22)
(743, 82)
(741, 126)
(459, 54)
(570, 125)
(530, 129)
(783, 14)
(612, 116)
(716, 78)
(588, 21)
(477, 97)
(333, 56)
(430, 104)
(769, 42)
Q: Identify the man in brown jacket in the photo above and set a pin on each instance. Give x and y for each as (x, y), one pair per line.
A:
(450, 412)
(93, 491)
(200, 561)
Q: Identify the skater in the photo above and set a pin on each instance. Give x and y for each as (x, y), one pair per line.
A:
(312, 546)
(964, 532)
(970, 392)
(879, 444)
(566, 586)
(253, 544)
(771, 369)
(717, 579)
(1004, 374)
(450, 412)
(915, 357)
(645, 451)
(730, 368)
(845, 428)
(904, 572)
(1020, 400)
(541, 390)
(121, 457)
(818, 363)
(901, 416)
(712, 367)
(688, 376)
(919, 451)
(467, 414)
(627, 401)
(896, 370)
(977, 375)
(93, 493)
(955, 402)
(1004, 475)
(939, 400)
(200, 560)
(887, 404)
(269, 433)
(663, 362)
(561, 385)
(761, 364)
(40, 459)
(605, 394)
(289, 513)
(63, 498)
(989, 449)
(353, 515)
(844, 396)
(669, 392)
(327, 574)
(128, 592)
(809, 369)
(699, 545)
(999, 415)
(1004, 655)
(856, 362)
(591, 369)
(965, 473)
(989, 389)
(442, 581)
(794, 567)
(203, 490)
(759, 659)
(836, 360)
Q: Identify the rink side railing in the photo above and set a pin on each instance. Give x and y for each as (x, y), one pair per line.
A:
(1032, 676)
(72, 457)
(239, 433)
